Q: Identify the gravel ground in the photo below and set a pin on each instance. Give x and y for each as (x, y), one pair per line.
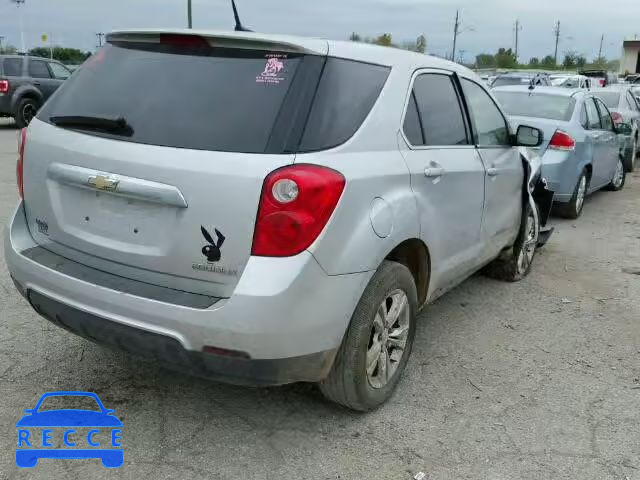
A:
(538, 379)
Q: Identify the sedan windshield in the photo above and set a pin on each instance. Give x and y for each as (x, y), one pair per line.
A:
(524, 104)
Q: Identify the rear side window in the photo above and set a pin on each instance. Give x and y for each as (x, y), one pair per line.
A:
(605, 117)
(346, 94)
(39, 69)
(592, 114)
(12, 67)
(439, 110)
(412, 126)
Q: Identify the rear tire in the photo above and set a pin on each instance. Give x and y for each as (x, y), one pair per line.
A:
(515, 264)
(630, 162)
(26, 111)
(619, 178)
(574, 208)
(373, 355)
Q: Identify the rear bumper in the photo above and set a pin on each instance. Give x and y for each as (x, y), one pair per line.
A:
(287, 316)
(561, 170)
(5, 104)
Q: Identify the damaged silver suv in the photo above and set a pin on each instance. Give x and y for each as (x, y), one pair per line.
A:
(264, 209)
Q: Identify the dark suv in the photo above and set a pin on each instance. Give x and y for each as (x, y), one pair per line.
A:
(26, 83)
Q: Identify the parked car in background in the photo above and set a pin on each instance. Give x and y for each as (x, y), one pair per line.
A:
(571, 81)
(26, 83)
(601, 78)
(624, 108)
(522, 78)
(580, 153)
(263, 211)
(634, 78)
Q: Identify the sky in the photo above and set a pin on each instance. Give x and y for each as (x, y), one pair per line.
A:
(487, 25)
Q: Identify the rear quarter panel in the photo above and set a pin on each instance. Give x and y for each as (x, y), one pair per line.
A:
(377, 192)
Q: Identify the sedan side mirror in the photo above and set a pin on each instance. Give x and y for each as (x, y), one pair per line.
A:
(529, 136)
(624, 129)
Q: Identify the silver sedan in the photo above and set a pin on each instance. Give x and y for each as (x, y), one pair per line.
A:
(581, 150)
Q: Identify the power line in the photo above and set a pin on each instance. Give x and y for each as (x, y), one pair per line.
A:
(556, 32)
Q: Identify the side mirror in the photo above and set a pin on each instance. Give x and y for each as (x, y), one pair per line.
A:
(529, 136)
(624, 129)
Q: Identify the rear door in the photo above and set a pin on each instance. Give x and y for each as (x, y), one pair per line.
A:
(505, 172)
(610, 146)
(447, 176)
(42, 77)
(596, 135)
(170, 199)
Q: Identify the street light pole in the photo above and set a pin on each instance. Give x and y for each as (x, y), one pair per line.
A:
(189, 14)
(18, 3)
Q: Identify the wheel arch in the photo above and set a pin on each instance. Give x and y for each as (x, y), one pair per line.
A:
(414, 254)
(25, 92)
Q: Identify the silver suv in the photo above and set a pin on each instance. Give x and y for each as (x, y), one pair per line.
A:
(263, 209)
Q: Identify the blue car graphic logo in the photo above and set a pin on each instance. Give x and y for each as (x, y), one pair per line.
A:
(68, 426)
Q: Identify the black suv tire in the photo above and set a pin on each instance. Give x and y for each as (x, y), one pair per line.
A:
(26, 111)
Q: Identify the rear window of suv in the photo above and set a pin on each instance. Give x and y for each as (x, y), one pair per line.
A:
(12, 67)
(220, 99)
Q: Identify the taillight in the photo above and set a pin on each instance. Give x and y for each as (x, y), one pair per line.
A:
(4, 86)
(617, 118)
(22, 141)
(562, 141)
(295, 206)
(602, 81)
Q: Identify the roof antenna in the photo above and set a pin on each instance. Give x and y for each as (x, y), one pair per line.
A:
(239, 26)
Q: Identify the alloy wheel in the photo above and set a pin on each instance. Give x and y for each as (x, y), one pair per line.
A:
(388, 339)
(618, 177)
(581, 193)
(528, 250)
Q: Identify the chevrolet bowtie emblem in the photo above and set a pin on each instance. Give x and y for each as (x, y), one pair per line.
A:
(100, 182)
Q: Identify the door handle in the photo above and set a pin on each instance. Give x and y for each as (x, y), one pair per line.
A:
(37, 83)
(433, 172)
(492, 172)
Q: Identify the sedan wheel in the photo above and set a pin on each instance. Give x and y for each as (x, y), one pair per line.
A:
(619, 177)
(528, 249)
(581, 193)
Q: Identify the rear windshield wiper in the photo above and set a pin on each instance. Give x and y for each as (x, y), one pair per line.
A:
(114, 125)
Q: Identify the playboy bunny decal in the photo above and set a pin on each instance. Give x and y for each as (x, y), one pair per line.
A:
(212, 251)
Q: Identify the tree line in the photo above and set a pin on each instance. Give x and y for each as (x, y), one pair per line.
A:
(386, 40)
(71, 56)
(571, 60)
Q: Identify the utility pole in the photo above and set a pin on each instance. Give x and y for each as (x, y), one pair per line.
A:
(99, 36)
(456, 30)
(189, 14)
(600, 51)
(518, 28)
(556, 32)
(1, 40)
